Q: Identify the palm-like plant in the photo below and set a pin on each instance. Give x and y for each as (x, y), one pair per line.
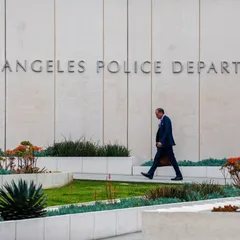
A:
(22, 201)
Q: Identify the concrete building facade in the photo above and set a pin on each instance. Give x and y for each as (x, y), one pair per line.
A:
(100, 68)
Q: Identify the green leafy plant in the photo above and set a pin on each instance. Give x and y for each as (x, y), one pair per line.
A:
(83, 147)
(22, 201)
(204, 188)
(124, 203)
(112, 150)
(5, 172)
(188, 192)
(165, 192)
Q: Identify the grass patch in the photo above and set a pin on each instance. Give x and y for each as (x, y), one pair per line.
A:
(169, 194)
(84, 191)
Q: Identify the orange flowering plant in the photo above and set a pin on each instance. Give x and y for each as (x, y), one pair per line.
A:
(233, 167)
(22, 159)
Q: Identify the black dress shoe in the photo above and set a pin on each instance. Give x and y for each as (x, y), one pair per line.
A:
(178, 178)
(147, 175)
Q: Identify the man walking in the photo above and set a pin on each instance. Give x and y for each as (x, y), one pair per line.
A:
(164, 144)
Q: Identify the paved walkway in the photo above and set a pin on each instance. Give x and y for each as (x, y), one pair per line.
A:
(141, 179)
(134, 236)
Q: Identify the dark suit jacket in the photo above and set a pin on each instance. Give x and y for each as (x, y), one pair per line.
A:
(164, 133)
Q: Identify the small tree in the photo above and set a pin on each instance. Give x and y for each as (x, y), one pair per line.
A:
(22, 159)
(233, 168)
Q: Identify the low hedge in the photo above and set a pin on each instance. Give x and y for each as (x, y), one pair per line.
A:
(84, 148)
(210, 162)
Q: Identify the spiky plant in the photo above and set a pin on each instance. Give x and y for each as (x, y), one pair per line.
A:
(22, 201)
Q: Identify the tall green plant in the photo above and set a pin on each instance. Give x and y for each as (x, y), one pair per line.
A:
(165, 192)
(22, 201)
(85, 148)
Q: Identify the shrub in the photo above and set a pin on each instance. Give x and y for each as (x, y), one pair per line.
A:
(83, 148)
(165, 192)
(204, 189)
(71, 148)
(22, 201)
(231, 190)
(233, 168)
(188, 192)
(112, 150)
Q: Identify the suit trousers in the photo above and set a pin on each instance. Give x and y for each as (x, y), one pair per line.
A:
(168, 151)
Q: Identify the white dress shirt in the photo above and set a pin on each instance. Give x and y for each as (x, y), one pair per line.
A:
(160, 121)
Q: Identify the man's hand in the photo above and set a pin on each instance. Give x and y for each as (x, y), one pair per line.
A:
(159, 144)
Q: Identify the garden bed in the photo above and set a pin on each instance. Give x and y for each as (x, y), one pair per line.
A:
(48, 180)
(92, 225)
(79, 156)
(99, 220)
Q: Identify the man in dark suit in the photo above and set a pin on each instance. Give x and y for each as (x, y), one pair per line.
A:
(164, 144)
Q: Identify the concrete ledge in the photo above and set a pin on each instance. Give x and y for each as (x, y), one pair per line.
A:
(48, 180)
(88, 165)
(190, 223)
(85, 226)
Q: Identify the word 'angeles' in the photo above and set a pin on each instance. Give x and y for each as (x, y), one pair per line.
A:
(71, 66)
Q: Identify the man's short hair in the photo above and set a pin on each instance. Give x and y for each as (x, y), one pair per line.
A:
(160, 110)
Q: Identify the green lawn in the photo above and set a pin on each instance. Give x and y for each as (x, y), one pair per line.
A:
(84, 191)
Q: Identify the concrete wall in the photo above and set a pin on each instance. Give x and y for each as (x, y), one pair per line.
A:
(47, 180)
(104, 106)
